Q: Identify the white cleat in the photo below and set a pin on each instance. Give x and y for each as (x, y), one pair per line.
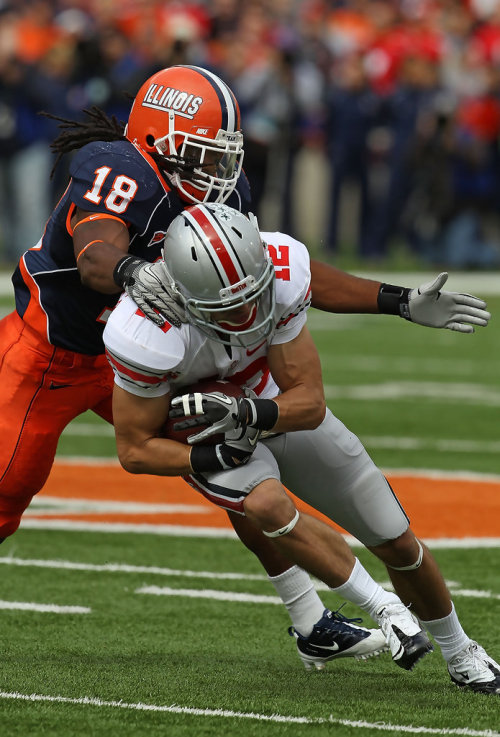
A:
(406, 639)
(473, 668)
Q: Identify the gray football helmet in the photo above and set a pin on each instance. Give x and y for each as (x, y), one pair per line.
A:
(216, 261)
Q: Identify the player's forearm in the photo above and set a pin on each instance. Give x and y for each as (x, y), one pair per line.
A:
(300, 408)
(334, 290)
(96, 265)
(155, 457)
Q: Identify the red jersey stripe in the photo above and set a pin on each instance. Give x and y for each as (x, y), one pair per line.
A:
(134, 375)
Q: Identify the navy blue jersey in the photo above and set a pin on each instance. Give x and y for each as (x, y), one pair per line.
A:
(118, 179)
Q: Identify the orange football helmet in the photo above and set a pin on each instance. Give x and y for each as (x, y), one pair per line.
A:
(188, 119)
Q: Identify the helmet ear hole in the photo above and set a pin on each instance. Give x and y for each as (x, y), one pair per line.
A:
(150, 140)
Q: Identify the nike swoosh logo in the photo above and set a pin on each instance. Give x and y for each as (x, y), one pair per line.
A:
(333, 647)
(93, 217)
(251, 352)
(253, 441)
(58, 386)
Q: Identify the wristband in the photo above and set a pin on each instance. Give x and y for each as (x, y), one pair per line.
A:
(392, 300)
(120, 274)
(262, 413)
(204, 458)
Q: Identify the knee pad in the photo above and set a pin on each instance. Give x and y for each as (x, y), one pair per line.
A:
(413, 566)
(286, 529)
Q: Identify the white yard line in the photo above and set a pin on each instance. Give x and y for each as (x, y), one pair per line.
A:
(466, 392)
(125, 568)
(46, 504)
(210, 594)
(68, 565)
(49, 608)
(228, 714)
(221, 533)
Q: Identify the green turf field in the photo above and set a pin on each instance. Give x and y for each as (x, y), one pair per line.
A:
(118, 661)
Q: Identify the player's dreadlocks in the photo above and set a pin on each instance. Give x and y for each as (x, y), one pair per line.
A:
(75, 134)
(101, 127)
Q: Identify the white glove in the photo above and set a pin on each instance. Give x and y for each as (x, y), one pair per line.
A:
(429, 306)
(148, 285)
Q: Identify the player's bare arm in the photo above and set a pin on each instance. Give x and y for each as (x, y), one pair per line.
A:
(138, 422)
(296, 369)
(334, 290)
(100, 241)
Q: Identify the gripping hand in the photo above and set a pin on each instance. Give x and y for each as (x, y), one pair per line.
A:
(147, 284)
(223, 414)
(235, 451)
(428, 305)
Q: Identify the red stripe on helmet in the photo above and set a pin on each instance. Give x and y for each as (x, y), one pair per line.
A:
(217, 244)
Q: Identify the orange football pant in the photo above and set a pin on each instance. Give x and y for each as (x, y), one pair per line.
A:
(42, 388)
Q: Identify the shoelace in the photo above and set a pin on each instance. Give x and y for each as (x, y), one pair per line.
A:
(342, 618)
(336, 616)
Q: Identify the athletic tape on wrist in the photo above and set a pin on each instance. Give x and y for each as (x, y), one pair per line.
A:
(286, 529)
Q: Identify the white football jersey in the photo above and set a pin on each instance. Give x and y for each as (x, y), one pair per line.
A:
(150, 361)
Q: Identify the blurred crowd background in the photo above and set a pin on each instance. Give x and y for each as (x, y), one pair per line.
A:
(369, 125)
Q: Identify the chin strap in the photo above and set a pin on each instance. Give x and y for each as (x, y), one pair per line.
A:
(286, 529)
(413, 566)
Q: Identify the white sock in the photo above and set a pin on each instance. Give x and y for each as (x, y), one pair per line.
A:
(448, 633)
(297, 592)
(361, 589)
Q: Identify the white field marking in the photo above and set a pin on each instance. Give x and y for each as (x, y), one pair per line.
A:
(125, 568)
(212, 575)
(474, 394)
(210, 594)
(138, 529)
(431, 473)
(50, 608)
(434, 473)
(223, 533)
(374, 363)
(58, 505)
(228, 714)
(439, 444)
(260, 599)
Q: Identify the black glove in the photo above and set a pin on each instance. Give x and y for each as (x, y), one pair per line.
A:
(147, 284)
(236, 450)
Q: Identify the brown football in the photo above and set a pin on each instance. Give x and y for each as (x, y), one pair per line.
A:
(206, 385)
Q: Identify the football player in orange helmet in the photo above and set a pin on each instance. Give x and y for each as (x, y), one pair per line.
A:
(188, 120)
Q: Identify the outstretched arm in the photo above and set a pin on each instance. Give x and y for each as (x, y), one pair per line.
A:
(334, 290)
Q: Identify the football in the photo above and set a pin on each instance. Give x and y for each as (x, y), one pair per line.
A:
(207, 385)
